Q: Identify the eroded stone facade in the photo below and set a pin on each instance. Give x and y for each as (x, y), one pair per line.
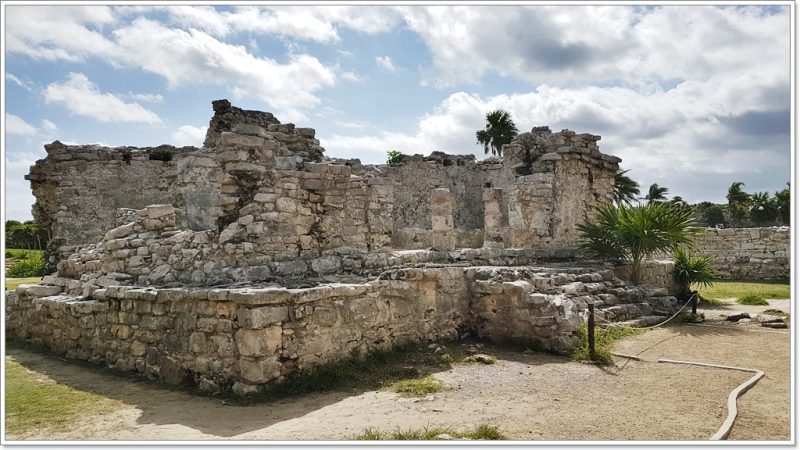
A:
(242, 338)
(259, 257)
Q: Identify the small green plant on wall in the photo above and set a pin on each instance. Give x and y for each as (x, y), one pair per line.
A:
(393, 157)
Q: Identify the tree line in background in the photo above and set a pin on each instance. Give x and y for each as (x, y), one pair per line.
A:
(25, 235)
(742, 210)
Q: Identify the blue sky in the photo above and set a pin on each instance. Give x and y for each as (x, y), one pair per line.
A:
(690, 97)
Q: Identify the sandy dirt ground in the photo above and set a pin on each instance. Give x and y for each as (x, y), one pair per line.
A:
(529, 396)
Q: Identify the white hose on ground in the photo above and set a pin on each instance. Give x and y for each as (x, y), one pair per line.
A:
(725, 429)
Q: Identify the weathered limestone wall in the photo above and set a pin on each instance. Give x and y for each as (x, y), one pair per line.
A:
(654, 274)
(418, 238)
(561, 176)
(78, 189)
(263, 186)
(217, 337)
(542, 187)
(416, 176)
(152, 250)
(244, 338)
(264, 183)
(748, 253)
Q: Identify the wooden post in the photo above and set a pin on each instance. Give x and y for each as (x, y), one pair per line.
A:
(591, 331)
(694, 302)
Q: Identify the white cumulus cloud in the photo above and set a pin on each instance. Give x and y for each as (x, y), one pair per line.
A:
(48, 125)
(188, 135)
(194, 57)
(149, 98)
(17, 125)
(184, 57)
(82, 97)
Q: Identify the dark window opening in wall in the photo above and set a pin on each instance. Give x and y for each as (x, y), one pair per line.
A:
(447, 162)
(488, 184)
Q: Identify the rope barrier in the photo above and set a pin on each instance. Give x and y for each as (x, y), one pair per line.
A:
(656, 325)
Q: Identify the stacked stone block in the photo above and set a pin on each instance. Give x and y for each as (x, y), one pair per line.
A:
(748, 253)
(243, 338)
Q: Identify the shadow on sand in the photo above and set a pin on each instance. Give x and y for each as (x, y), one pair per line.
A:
(222, 418)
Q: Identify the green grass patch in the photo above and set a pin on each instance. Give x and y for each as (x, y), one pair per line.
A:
(604, 339)
(417, 387)
(21, 253)
(752, 298)
(12, 283)
(34, 402)
(481, 432)
(736, 289)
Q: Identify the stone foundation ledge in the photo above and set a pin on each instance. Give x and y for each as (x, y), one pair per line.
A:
(244, 338)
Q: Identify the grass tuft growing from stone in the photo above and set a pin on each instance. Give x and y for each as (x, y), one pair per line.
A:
(36, 402)
(481, 432)
(752, 298)
(604, 342)
(418, 387)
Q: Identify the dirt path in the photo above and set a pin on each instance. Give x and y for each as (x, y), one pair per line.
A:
(529, 396)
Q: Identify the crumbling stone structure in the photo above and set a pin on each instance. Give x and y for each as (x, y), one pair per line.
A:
(254, 257)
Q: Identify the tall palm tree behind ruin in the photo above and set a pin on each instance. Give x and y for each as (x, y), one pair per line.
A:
(656, 194)
(500, 130)
(625, 189)
(738, 202)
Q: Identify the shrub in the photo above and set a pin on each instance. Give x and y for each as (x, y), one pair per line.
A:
(692, 270)
(160, 155)
(393, 157)
(31, 267)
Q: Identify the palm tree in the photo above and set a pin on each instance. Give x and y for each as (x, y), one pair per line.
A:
(656, 194)
(632, 234)
(625, 189)
(762, 209)
(500, 130)
(689, 270)
(737, 202)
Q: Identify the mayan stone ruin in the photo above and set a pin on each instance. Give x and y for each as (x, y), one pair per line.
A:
(236, 265)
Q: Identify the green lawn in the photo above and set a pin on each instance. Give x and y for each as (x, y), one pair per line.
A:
(736, 289)
(12, 283)
(21, 253)
(34, 402)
